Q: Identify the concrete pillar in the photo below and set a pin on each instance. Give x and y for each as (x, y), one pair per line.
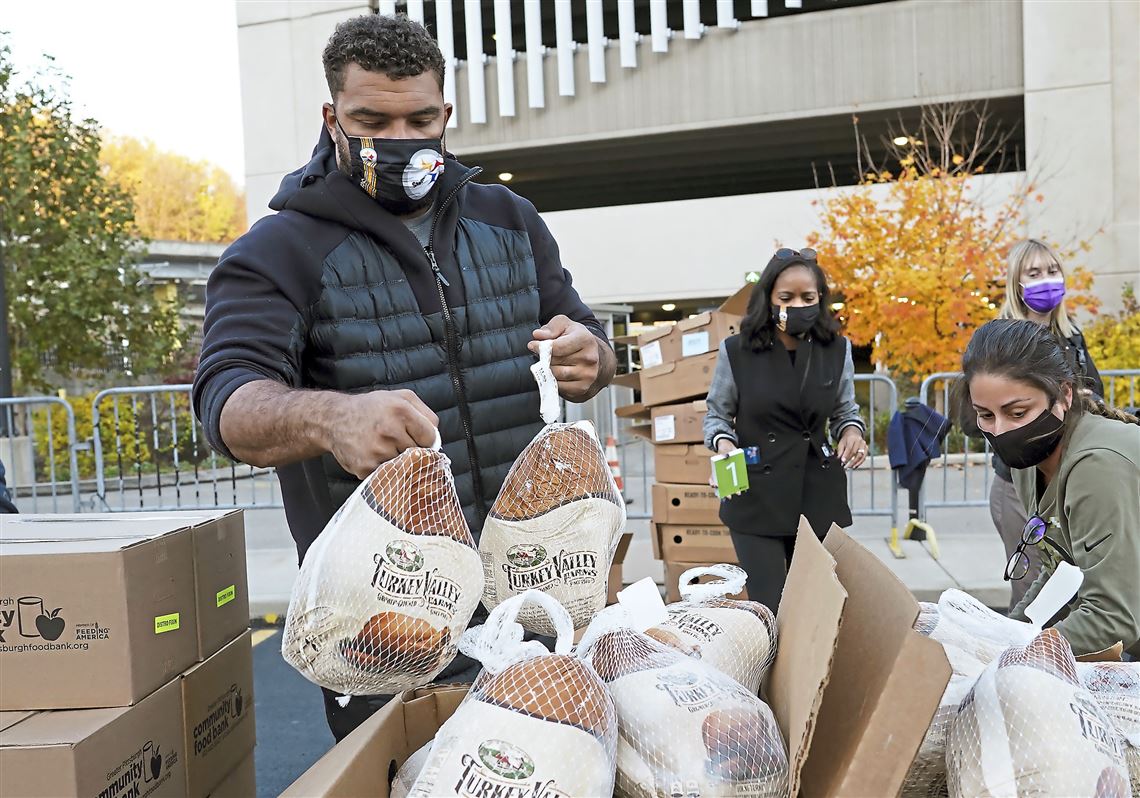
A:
(1082, 124)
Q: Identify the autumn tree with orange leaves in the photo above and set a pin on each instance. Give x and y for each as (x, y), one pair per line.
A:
(916, 251)
(175, 198)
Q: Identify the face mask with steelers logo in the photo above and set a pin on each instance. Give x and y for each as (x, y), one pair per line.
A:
(400, 174)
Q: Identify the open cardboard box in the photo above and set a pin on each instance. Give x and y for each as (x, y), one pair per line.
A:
(853, 687)
(695, 335)
(688, 378)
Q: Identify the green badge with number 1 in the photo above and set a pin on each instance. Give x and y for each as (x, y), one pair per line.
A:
(730, 474)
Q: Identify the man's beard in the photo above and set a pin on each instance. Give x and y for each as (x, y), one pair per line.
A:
(344, 166)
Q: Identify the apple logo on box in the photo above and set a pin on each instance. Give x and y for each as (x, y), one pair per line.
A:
(50, 626)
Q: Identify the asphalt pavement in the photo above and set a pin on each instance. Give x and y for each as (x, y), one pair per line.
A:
(291, 730)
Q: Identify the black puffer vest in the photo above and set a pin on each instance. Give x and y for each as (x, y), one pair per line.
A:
(469, 363)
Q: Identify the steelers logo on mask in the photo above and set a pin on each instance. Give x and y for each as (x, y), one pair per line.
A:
(423, 169)
(368, 156)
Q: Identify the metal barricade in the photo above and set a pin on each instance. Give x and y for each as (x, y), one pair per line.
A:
(875, 480)
(966, 468)
(151, 454)
(38, 449)
(1121, 387)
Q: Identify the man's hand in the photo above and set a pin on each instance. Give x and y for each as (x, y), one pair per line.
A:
(371, 428)
(578, 358)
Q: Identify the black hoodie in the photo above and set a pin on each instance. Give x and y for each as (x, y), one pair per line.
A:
(255, 301)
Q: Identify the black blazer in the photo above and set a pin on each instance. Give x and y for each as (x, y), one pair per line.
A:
(783, 410)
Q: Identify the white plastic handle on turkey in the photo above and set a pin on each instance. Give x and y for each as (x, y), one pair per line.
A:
(730, 581)
(499, 642)
(549, 406)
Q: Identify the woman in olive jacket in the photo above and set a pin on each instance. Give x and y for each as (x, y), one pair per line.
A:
(779, 387)
(1077, 468)
(1035, 290)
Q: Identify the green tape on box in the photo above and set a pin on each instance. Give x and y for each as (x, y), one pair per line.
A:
(166, 623)
(730, 473)
(226, 595)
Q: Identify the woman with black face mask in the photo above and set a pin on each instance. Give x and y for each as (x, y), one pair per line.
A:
(778, 389)
(1076, 464)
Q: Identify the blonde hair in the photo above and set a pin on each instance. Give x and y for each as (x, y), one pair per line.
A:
(1022, 255)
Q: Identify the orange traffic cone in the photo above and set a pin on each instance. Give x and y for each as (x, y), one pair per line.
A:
(612, 460)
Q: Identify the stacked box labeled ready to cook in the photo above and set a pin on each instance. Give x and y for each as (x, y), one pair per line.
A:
(677, 368)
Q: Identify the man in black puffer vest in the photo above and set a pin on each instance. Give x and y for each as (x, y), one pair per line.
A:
(388, 296)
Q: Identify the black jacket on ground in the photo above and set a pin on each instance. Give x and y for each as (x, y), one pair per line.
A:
(334, 293)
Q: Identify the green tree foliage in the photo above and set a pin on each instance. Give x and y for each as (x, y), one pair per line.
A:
(78, 305)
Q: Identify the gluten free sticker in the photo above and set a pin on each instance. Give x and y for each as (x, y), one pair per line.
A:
(226, 595)
(166, 623)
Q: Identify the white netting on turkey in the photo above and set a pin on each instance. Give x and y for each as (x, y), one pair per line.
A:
(533, 724)
(736, 637)
(1028, 727)
(557, 520)
(972, 635)
(390, 584)
(684, 727)
(1116, 688)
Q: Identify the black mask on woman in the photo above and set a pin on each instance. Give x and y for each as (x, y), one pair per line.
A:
(796, 321)
(1030, 444)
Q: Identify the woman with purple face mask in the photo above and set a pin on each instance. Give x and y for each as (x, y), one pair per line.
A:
(1035, 290)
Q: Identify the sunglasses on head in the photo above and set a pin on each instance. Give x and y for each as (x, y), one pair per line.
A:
(1034, 533)
(806, 254)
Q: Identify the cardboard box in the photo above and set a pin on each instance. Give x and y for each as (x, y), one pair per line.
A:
(685, 504)
(853, 687)
(695, 335)
(95, 611)
(364, 762)
(217, 702)
(692, 543)
(673, 571)
(688, 464)
(681, 423)
(98, 752)
(886, 679)
(221, 584)
(614, 583)
(688, 378)
(704, 332)
(656, 347)
(240, 783)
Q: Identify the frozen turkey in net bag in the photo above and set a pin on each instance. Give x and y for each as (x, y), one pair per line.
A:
(684, 727)
(388, 587)
(736, 637)
(1028, 727)
(1116, 688)
(926, 777)
(533, 724)
(556, 522)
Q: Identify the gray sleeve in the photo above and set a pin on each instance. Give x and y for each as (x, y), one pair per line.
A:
(846, 411)
(722, 402)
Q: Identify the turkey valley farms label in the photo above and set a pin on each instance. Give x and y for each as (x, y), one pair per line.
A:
(32, 624)
(502, 770)
(141, 773)
(693, 624)
(529, 566)
(689, 690)
(400, 580)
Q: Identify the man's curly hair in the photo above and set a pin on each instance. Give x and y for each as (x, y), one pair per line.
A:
(396, 46)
